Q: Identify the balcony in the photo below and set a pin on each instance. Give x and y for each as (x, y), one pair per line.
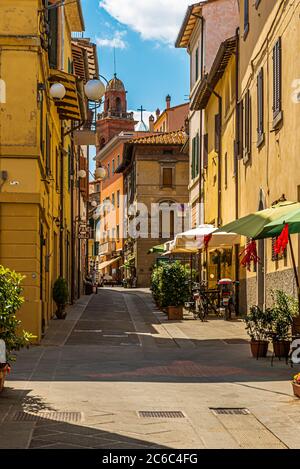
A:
(107, 248)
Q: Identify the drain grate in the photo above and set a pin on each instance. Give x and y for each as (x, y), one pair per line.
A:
(230, 411)
(47, 415)
(159, 414)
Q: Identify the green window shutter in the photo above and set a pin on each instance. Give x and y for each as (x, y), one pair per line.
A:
(197, 155)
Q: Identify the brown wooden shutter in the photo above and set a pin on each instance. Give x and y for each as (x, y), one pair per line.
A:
(167, 177)
(260, 104)
(277, 78)
(247, 126)
(197, 155)
(53, 41)
(205, 151)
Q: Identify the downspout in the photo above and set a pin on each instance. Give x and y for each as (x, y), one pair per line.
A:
(220, 108)
(236, 156)
(73, 255)
(201, 197)
(61, 228)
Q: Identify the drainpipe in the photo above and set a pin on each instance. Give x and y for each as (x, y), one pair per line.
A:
(220, 107)
(236, 157)
(61, 228)
(201, 198)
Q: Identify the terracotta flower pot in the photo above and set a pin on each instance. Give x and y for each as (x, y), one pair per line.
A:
(60, 313)
(259, 348)
(281, 348)
(3, 372)
(175, 313)
(296, 389)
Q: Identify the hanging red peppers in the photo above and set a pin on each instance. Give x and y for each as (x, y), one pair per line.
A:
(282, 241)
(248, 255)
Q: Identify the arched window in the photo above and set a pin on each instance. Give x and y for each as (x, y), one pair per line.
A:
(107, 105)
(118, 105)
(102, 143)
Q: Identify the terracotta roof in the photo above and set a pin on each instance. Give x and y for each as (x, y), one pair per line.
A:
(204, 91)
(166, 138)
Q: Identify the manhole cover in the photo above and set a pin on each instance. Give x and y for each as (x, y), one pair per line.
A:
(230, 411)
(165, 414)
(47, 415)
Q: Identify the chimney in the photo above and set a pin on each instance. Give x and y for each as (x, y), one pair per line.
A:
(151, 123)
(157, 112)
(168, 101)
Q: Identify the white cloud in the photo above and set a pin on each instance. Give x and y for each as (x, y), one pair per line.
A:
(116, 41)
(157, 20)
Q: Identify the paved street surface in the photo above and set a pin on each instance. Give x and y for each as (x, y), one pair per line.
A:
(116, 357)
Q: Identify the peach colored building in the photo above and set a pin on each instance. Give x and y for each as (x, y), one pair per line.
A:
(205, 26)
(171, 119)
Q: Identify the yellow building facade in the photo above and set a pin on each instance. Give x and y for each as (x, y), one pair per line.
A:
(38, 162)
(269, 129)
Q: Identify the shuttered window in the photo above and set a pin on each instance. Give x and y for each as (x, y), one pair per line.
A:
(195, 156)
(205, 151)
(277, 66)
(167, 177)
(53, 37)
(260, 106)
(48, 149)
(247, 127)
(246, 17)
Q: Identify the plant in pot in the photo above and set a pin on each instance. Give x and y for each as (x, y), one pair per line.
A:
(155, 284)
(284, 309)
(11, 336)
(296, 384)
(60, 296)
(174, 289)
(258, 328)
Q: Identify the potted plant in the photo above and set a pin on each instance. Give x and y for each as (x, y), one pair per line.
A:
(60, 296)
(258, 328)
(296, 385)
(174, 289)
(282, 312)
(10, 334)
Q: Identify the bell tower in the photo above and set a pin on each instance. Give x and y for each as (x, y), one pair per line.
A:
(115, 118)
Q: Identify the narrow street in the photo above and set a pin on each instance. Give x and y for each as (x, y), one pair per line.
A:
(116, 356)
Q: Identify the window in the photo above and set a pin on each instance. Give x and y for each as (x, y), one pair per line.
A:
(195, 156)
(277, 66)
(246, 18)
(226, 170)
(118, 232)
(57, 172)
(108, 170)
(113, 233)
(205, 151)
(197, 64)
(118, 198)
(53, 37)
(167, 177)
(113, 167)
(48, 149)
(247, 127)
(260, 107)
(118, 161)
(113, 199)
(118, 105)
(69, 167)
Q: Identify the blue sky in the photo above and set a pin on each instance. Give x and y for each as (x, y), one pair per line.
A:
(143, 32)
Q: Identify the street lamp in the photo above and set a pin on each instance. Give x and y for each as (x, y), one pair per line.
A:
(100, 173)
(57, 91)
(94, 89)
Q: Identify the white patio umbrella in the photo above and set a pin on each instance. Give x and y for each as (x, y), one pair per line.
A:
(194, 240)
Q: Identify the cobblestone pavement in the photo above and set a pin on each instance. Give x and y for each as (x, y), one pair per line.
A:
(116, 356)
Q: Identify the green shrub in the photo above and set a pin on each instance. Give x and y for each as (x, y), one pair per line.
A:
(10, 302)
(60, 292)
(170, 284)
(282, 312)
(258, 323)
